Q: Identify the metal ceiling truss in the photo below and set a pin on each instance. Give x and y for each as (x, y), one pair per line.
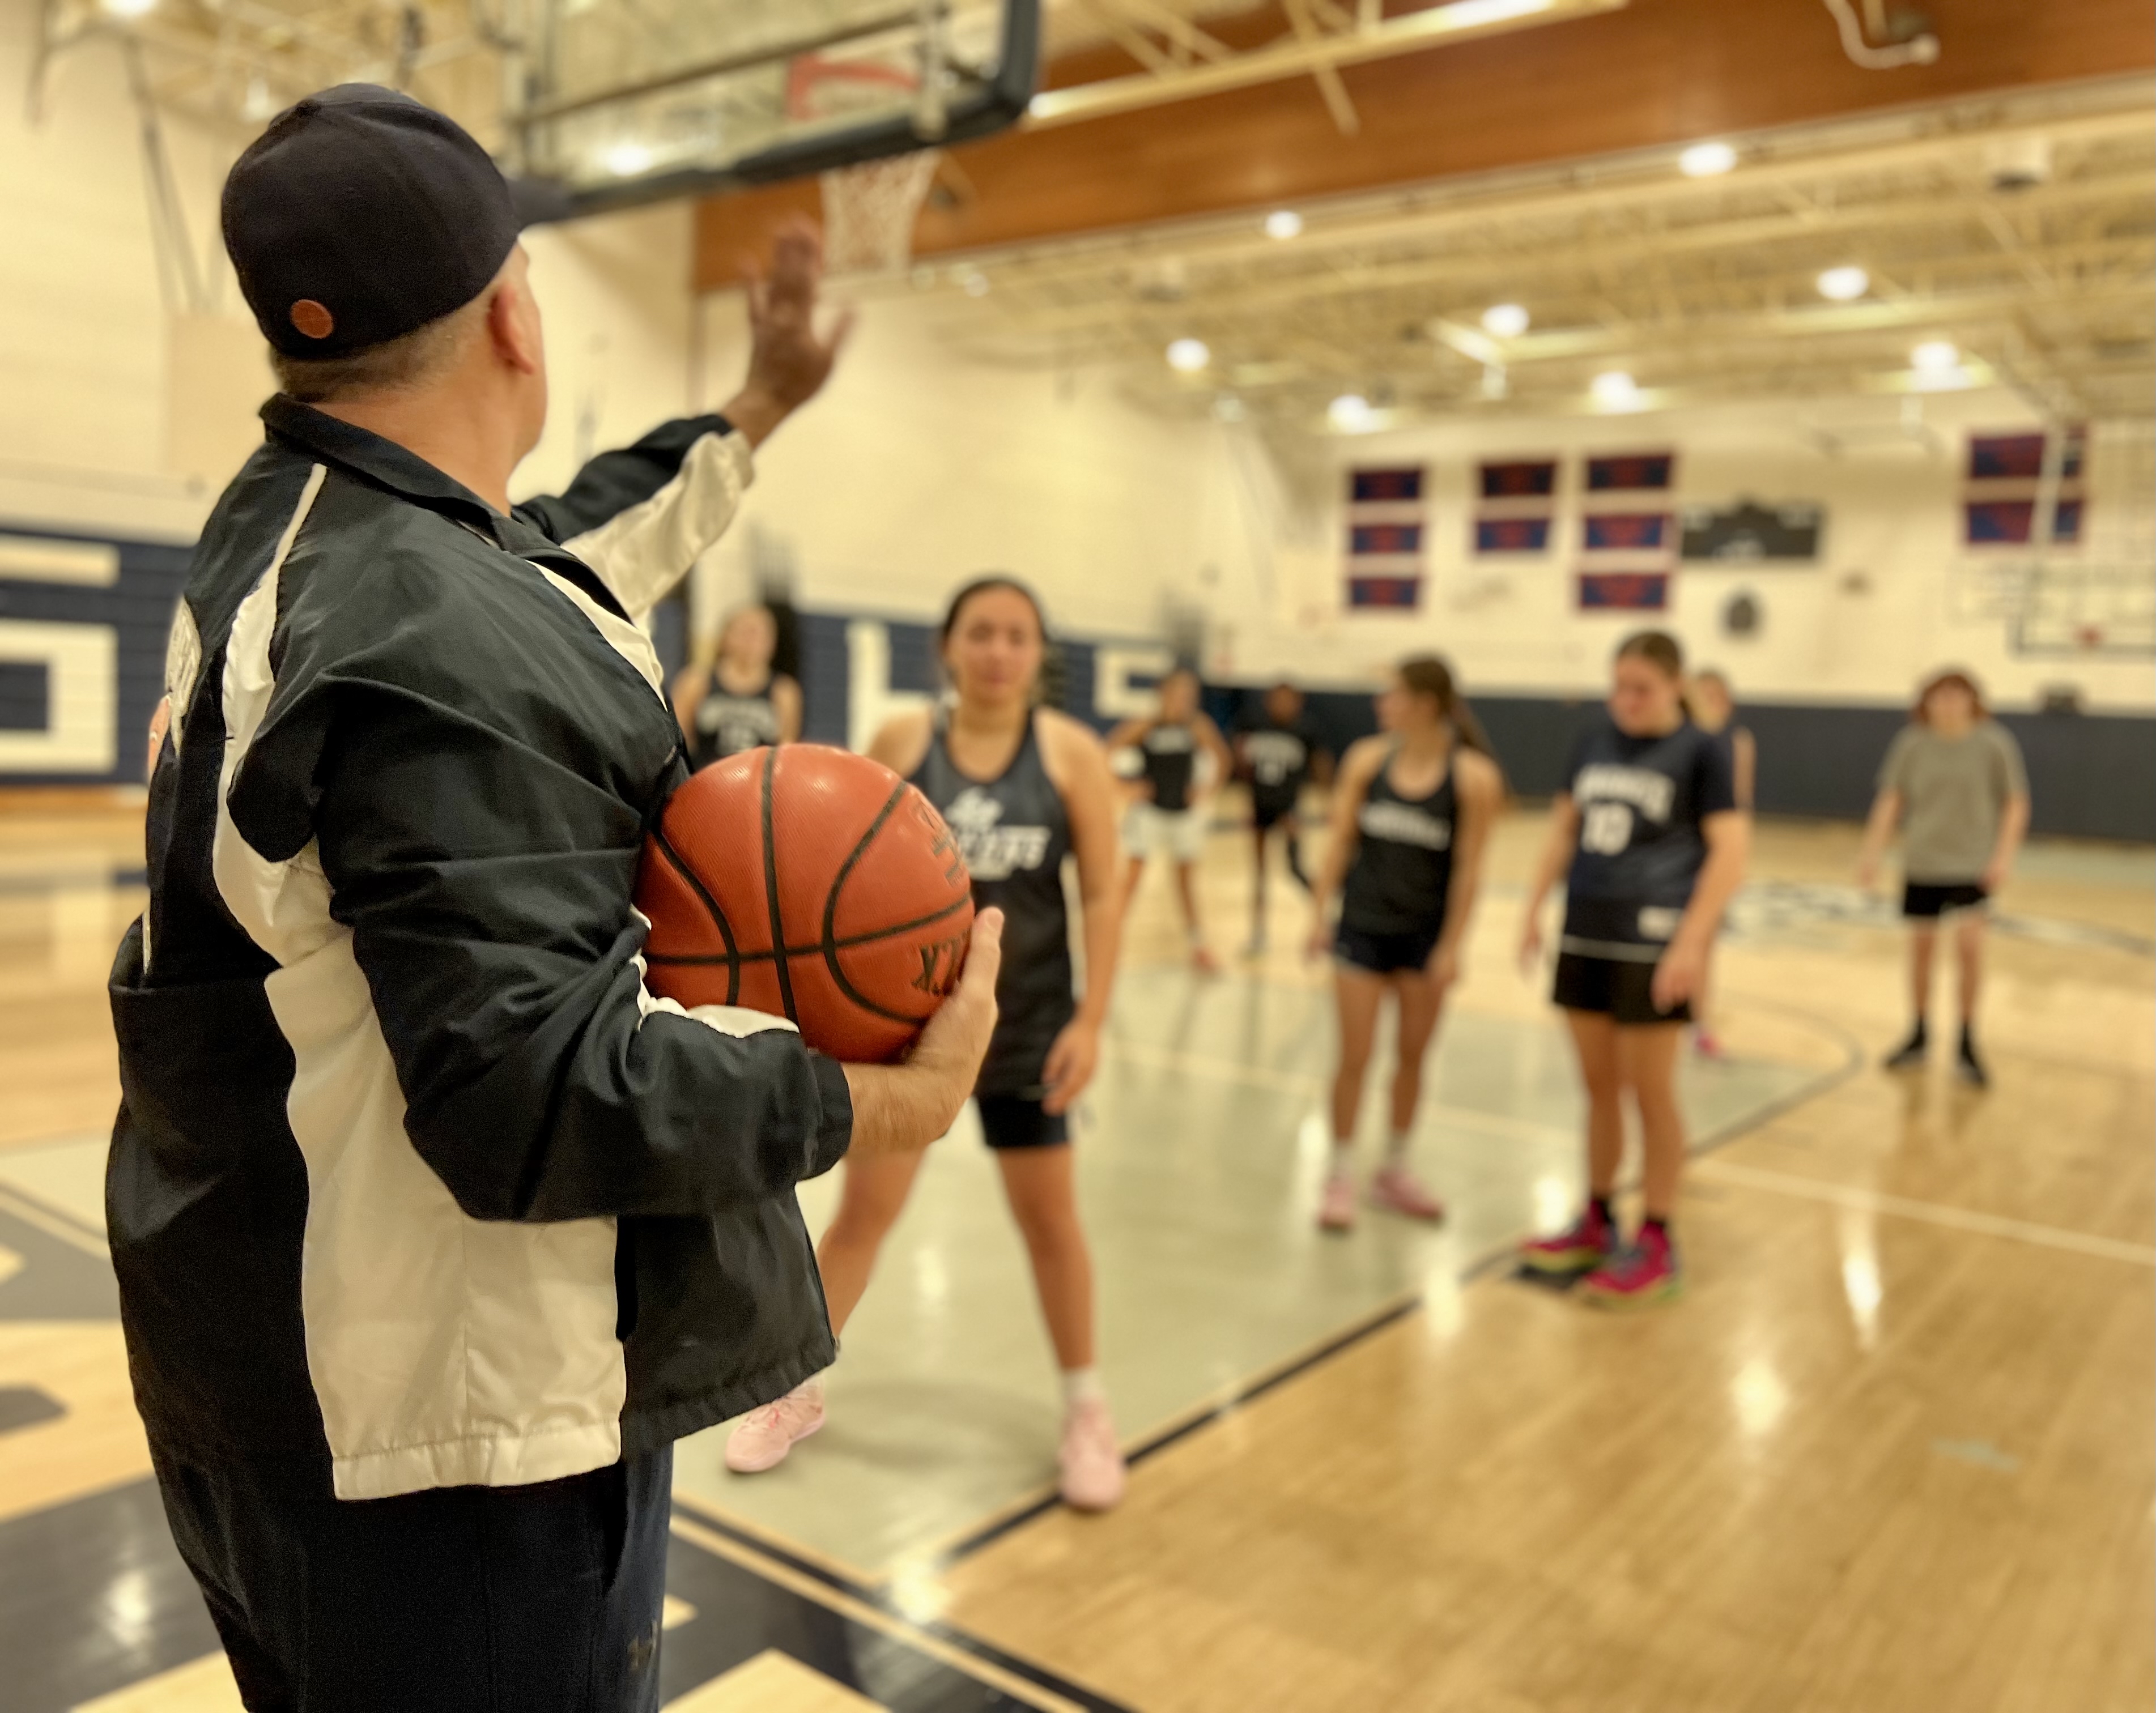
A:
(1695, 287)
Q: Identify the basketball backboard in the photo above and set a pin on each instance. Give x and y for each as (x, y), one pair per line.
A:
(615, 102)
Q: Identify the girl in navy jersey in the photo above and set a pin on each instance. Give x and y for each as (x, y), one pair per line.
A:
(1712, 706)
(1412, 811)
(733, 702)
(1168, 818)
(1022, 788)
(1649, 835)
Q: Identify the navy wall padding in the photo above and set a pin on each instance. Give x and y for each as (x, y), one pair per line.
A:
(137, 608)
(25, 695)
(2090, 776)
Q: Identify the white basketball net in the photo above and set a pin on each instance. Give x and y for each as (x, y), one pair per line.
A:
(869, 212)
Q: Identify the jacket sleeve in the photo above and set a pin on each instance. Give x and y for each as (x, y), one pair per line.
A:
(640, 516)
(487, 888)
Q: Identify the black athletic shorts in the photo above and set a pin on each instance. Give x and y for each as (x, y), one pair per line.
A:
(1384, 954)
(1021, 1121)
(1928, 899)
(1616, 985)
(1268, 813)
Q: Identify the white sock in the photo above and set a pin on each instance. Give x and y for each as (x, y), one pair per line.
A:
(1396, 1149)
(1343, 1159)
(811, 1390)
(1082, 1386)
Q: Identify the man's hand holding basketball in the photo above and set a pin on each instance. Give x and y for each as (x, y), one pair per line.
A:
(789, 361)
(899, 1108)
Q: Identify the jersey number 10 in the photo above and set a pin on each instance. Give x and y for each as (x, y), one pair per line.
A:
(1606, 828)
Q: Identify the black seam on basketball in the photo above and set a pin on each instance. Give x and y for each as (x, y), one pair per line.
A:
(732, 960)
(771, 892)
(830, 946)
(847, 944)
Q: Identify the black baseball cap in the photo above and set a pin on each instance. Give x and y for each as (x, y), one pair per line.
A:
(361, 215)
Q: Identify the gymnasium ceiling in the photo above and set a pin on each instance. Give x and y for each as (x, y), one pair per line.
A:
(1529, 159)
(1698, 289)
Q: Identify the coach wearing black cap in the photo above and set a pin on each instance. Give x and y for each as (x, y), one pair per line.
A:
(434, 1228)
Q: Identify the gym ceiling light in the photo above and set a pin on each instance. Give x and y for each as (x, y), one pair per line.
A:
(1706, 159)
(1505, 320)
(1283, 223)
(1844, 285)
(1186, 356)
(1351, 414)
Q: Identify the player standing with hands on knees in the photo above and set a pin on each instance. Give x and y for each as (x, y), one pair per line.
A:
(1412, 810)
(1648, 836)
(1168, 818)
(1953, 781)
(433, 1228)
(1021, 787)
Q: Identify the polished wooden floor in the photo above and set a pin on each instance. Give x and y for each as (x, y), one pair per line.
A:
(1895, 1452)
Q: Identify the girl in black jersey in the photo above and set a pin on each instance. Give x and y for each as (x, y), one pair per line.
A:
(1277, 750)
(1022, 786)
(1712, 706)
(1168, 818)
(733, 702)
(1649, 833)
(1411, 813)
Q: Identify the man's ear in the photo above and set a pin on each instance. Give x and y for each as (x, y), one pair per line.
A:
(512, 323)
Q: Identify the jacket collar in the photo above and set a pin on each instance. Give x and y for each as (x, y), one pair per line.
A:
(382, 462)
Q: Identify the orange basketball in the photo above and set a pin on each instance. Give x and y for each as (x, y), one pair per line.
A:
(812, 884)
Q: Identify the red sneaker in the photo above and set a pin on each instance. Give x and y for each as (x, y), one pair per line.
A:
(1634, 1278)
(1580, 1248)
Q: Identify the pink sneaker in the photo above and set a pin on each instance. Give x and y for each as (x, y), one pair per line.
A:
(762, 1439)
(1397, 1187)
(1579, 1248)
(1634, 1278)
(1091, 1461)
(1336, 1211)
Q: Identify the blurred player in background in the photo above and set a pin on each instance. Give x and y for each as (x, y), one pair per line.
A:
(1173, 750)
(1022, 788)
(1277, 750)
(1411, 815)
(731, 699)
(1712, 706)
(1953, 783)
(1648, 833)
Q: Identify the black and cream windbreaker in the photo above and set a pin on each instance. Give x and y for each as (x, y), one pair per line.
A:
(409, 1161)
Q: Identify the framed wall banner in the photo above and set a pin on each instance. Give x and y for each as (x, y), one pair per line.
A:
(1385, 537)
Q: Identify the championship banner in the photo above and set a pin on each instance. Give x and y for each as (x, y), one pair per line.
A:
(1627, 472)
(1526, 480)
(1385, 524)
(1623, 591)
(1512, 535)
(1627, 532)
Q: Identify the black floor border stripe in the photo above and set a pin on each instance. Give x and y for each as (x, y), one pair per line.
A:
(705, 1517)
(1355, 1334)
(1481, 1267)
(882, 1601)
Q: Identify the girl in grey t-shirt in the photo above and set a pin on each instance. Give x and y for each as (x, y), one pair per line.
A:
(1953, 783)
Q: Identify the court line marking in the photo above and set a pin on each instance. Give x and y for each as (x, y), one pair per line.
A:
(939, 1641)
(760, 1537)
(52, 1221)
(961, 1543)
(1868, 1201)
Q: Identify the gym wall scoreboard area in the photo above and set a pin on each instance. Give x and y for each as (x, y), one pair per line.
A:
(1750, 533)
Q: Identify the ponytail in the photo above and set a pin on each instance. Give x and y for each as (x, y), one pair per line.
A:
(1430, 675)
